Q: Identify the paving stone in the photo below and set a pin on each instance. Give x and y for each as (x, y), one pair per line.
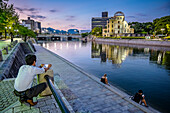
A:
(32, 111)
(21, 108)
(9, 111)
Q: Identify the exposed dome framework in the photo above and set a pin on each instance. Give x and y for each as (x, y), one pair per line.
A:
(119, 13)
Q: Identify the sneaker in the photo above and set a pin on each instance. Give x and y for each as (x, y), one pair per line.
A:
(30, 101)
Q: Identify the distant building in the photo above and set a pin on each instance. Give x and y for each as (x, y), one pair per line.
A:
(31, 24)
(84, 31)
(117, 25)
(100, 21)
(73, 31)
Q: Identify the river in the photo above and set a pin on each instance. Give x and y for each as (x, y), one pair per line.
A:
(128, 68)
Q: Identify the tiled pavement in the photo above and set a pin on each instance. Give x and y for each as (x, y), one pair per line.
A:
(84, 92)
(9, 102)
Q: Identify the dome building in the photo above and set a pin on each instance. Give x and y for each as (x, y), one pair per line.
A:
(117, 25)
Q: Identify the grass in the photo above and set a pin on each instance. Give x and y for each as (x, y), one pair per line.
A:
(4, 43)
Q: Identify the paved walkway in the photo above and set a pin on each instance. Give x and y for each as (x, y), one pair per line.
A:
(84, 92)
(10, 104)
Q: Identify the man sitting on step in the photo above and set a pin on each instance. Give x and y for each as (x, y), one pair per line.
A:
(23, 83)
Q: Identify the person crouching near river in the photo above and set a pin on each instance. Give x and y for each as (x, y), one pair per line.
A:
(104, 79)
(140, 98)
(23, 83)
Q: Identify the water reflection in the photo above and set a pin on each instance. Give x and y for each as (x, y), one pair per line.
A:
(160, 58)
(118, 54)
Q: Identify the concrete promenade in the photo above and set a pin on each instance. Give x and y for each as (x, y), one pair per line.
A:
(84, 92)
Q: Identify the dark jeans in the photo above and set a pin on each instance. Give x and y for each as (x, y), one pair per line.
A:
(33, 91)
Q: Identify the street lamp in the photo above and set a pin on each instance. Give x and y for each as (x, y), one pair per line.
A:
(5, 32)
(162, 30)
(11, 34)
(16, 31)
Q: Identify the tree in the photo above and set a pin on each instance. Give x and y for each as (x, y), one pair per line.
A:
(97, 31)
(25, 32)
(84, 34)
(161, 24)
(8, 16)
(143, 28)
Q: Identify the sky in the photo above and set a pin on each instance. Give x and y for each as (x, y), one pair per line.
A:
(77, 14)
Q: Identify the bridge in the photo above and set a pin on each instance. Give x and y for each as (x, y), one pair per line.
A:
(58, 37)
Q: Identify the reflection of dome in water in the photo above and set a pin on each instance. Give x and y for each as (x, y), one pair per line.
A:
(119, 13)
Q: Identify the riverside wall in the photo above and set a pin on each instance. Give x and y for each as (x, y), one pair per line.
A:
(9, 67)
(136, 42)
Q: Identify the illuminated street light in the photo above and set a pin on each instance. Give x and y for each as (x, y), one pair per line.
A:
(5, 32)
(162, 30)
(11, 34)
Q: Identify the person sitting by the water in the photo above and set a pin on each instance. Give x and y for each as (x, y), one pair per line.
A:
(140, 98)
(104, 79)
(23, 83)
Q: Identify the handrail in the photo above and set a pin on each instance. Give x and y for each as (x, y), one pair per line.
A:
(58, 99)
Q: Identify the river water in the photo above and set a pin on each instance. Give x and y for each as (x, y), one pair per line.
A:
(128, 68)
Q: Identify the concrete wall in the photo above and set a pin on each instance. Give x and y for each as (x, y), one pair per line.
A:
(136, 42)
(10, 67)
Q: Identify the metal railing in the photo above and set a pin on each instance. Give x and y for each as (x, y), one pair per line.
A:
(58, 99)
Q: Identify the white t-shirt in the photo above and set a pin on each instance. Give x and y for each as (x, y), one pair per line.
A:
(25, 77)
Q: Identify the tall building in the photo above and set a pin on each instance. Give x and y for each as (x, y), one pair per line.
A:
(100, 21)
(31, 24)
(105, 14)
(117, 25)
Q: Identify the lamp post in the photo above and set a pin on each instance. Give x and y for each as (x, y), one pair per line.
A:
(5, 32)
(11, 34)
(162, 30)
(16, 31)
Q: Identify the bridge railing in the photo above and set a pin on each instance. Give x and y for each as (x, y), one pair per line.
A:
(58, 99)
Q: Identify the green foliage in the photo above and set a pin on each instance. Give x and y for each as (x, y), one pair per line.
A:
(24, 31)
(162, 23)
(97, 31)
(84, 34)
(8, 17)
(143, 28)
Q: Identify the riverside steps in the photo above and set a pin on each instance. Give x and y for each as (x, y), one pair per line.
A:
(85, 92)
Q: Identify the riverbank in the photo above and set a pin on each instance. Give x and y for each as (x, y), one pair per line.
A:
(86, 91)
(136, 42)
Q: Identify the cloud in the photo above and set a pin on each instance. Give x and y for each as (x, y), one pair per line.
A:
(37, 16)
(70, 18)
(25, 9)
(53, 11)
(130, 16)
(141, 14)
